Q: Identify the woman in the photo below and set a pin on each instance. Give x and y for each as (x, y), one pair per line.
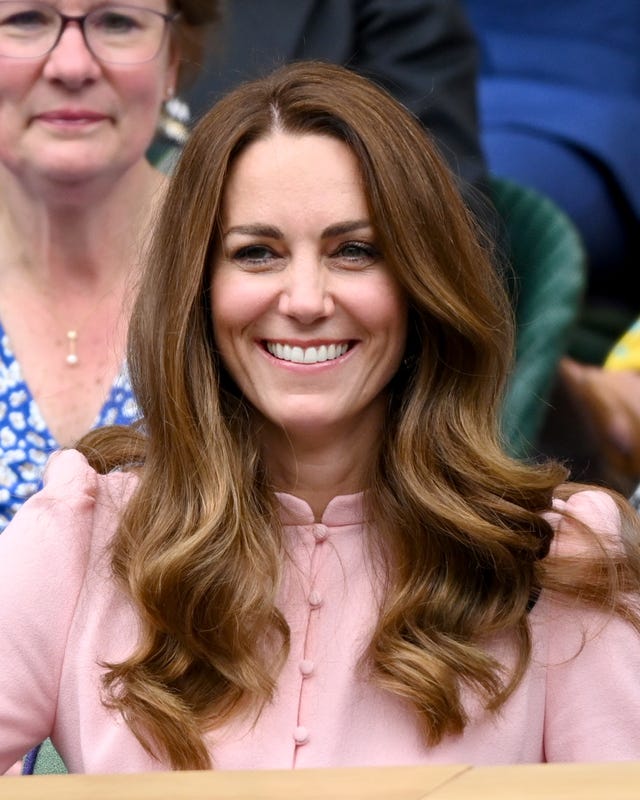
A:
(80, 98)
(315, 552)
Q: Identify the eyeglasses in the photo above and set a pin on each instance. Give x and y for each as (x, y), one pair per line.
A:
(117, 34)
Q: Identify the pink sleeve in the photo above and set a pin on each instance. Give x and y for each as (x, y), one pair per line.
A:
(43, 558)
(593, 677)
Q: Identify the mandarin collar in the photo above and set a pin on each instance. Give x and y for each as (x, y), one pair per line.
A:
(347, 509)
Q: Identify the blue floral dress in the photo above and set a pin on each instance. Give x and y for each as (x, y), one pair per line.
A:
(25, 441)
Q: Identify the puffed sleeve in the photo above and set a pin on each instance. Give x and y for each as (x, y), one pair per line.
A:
(593, 676)
(43, 560)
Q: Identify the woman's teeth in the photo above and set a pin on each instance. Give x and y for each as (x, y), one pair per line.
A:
(306, 355)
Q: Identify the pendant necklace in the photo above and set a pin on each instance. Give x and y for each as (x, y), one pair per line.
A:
(72, 358)
(72, 355)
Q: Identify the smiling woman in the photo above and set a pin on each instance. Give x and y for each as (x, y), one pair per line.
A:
(308, 318)
(81, 89)
(314, 551)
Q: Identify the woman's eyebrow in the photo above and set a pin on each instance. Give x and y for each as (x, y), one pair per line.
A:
(271, 232)
(256, 229)
(341, 228)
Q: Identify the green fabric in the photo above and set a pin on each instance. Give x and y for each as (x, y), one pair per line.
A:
(49, 761)
(163, 155)
(548, 281)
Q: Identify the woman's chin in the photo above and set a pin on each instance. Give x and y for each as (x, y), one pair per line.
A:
(81, 164)
(308, 425)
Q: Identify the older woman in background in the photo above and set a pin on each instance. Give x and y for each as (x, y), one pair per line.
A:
(82, 84)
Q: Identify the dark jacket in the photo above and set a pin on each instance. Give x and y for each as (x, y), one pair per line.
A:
(422, 51)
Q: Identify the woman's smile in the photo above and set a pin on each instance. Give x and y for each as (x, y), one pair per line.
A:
(313, 354)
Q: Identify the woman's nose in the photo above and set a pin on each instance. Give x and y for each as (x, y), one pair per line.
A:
(305, 295)
(71, 62)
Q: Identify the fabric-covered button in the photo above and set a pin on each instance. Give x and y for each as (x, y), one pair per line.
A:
(315, 599)
(301, 735)
(320, 532)
(306, 667)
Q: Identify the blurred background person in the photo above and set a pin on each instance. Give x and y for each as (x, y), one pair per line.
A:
(603, 406)
(80, 99)
(560, 110)
(422, 51)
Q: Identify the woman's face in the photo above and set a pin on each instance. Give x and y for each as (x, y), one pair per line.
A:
(66, 117)
(308, 319)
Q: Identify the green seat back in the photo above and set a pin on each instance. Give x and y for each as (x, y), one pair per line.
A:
(548, 281)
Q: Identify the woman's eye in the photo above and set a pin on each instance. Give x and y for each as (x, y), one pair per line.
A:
(253, 254)
(115, 22)
(358, 253)
(25, 21)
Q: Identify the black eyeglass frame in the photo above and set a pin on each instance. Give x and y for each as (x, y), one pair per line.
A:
(81, 19)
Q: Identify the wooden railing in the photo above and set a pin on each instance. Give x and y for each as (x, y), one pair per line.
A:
(619, 781)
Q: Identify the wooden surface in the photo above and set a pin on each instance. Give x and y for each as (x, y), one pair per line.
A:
(405, 783)
(448, 782)
(545, 782)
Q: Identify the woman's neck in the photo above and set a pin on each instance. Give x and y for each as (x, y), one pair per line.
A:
(320, 467)
(79, 237)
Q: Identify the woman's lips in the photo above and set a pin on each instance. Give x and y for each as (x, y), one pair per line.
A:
(71, 117)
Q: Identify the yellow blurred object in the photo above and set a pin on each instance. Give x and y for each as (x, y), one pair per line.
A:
(625, 354)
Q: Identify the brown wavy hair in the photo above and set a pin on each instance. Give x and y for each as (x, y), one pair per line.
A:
(199, 547)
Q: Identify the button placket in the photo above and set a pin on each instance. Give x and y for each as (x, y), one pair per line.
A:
(307, 666)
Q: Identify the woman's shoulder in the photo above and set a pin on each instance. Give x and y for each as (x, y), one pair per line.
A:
(68, 473)
(592, 506)
(69, 477)
(59, 538)
(75, 504)
(585, 521)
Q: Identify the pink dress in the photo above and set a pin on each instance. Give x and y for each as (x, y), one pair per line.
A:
(61, 615)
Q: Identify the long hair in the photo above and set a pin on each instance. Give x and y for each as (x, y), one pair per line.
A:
(460, 524)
